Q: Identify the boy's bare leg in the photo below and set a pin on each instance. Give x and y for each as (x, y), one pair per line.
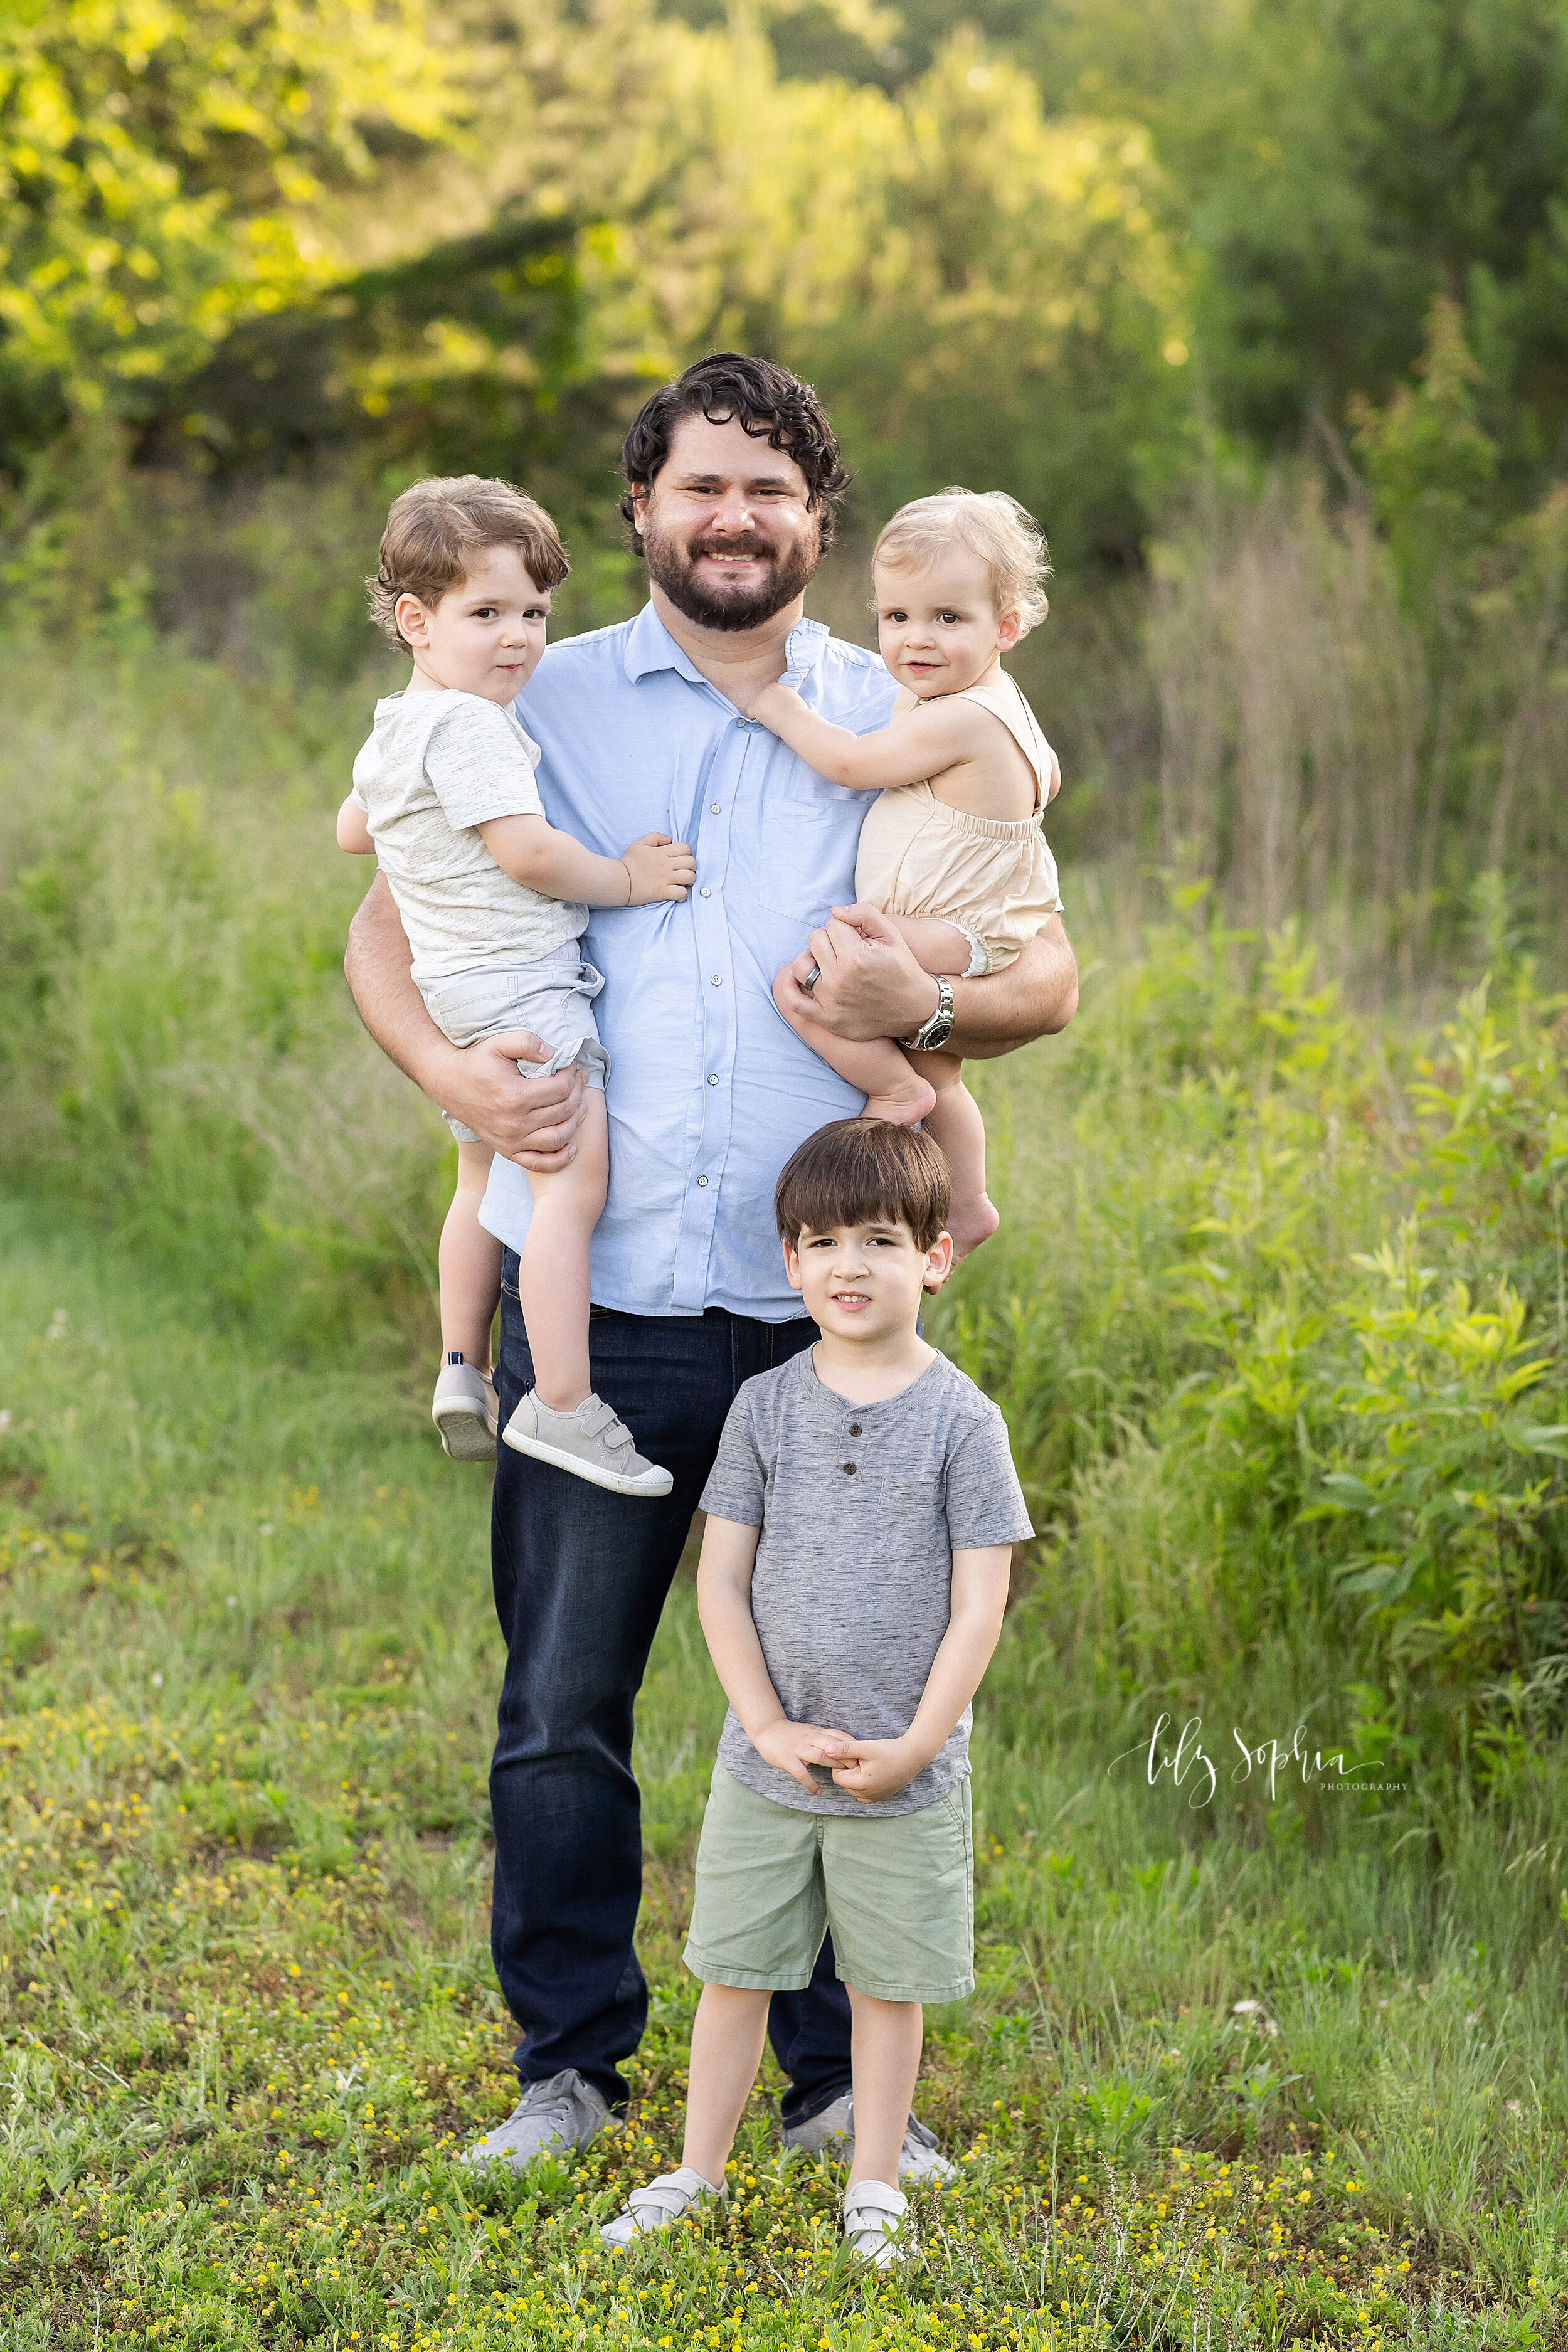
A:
(893, 1090)
(552, 1267)
(885, 2057)
(469, 1261)
(727, 2037)
(956, 1124)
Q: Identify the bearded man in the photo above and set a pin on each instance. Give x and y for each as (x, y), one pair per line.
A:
(733, 477)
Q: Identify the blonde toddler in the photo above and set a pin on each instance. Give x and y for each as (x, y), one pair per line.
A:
(951, 849)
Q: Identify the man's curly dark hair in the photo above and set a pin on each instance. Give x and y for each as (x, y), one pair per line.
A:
(767, 401)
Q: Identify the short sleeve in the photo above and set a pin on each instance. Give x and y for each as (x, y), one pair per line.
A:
(738, 1480)
(984, 1501)
(480, 765)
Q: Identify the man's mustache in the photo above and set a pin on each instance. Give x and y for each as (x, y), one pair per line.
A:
(732, 546)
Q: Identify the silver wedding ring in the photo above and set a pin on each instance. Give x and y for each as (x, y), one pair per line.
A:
(811, 977)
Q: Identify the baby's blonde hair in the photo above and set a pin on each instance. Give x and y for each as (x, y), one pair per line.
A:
(988, 524)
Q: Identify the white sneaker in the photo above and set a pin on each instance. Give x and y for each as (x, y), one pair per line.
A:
(554, 2118)
(663, 2201)
(465, 1411)
(873, 2223)
(590, 1443)
(832, 2132)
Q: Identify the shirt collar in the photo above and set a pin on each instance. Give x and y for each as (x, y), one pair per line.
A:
(650, 647)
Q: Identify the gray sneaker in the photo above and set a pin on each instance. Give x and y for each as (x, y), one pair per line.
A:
(555, 2118)
(590, 1443)
(832, 2132)
(465, 1411)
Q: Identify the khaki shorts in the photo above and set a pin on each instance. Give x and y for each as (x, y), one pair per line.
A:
(550, 997)
(897, 1890)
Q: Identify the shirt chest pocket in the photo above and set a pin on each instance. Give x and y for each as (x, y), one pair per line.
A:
(911, 1498)
(809, 835)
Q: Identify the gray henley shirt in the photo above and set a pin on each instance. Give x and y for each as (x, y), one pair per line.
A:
(861, 1507)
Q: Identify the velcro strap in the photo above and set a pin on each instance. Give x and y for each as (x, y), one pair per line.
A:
(602, 1421)
(668, 2196)
(869, 2201)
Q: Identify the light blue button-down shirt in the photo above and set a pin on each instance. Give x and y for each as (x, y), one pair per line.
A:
(710, 1089)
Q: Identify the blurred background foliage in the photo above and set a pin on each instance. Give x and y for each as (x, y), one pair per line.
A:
(1258, 304)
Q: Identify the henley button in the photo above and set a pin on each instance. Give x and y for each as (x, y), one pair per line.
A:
(849, 1469)
(703, 1179)
(853, 1429)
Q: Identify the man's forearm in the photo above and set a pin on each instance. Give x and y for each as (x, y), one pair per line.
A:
(376, 964)
(1036, 997)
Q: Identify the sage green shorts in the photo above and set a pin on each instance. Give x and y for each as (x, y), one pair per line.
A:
(896, 1889)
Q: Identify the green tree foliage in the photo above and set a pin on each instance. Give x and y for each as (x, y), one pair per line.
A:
(162, 166)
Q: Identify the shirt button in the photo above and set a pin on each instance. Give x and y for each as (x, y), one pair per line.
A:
(849, 1469)
(714, 808)
(714, 1082)
(703, 1179)
(853, 1429)
(706, 892)
(717, 982)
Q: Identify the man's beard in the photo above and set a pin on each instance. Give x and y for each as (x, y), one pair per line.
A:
(672, 565)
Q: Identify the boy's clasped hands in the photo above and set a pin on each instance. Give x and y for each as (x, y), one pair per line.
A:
(867, 1769)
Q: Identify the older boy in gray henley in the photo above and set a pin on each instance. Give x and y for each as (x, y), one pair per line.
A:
(861, 1507)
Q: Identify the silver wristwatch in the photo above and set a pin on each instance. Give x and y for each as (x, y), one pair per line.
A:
(938, 1029)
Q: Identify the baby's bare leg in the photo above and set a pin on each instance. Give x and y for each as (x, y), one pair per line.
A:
(893, 1090)
(469, 1261)
(957, 1126)
(553, 1268)
(938, 947)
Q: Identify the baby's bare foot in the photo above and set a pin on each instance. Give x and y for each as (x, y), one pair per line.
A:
(970, 1223)
(904, 1106)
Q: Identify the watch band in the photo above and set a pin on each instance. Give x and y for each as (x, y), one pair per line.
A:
(937, 1028)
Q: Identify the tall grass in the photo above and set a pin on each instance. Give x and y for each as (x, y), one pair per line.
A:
(1277, 1313)
(177, 1049)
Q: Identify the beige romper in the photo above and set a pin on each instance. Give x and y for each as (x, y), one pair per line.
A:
(992, 876)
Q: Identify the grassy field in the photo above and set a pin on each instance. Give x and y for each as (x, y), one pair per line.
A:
(1278, 1316)
(1259, 2071)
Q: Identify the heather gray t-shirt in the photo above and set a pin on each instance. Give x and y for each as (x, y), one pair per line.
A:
(861, 1507)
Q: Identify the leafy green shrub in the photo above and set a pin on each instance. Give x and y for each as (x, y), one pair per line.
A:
(1279, 1337)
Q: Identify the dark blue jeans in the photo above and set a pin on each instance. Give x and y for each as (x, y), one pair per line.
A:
(580, 1579)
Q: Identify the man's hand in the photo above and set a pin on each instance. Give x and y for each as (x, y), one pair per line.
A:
(871, 984)
(659, 868)
(792, 1746)
(876, 1769)
(531, 1121)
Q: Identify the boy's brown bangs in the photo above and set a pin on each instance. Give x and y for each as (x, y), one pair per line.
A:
(864, 1172)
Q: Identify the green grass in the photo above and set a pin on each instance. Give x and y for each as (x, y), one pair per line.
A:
(249, 1669)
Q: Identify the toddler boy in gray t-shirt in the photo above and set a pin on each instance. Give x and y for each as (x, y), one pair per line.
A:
(861, 1514)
